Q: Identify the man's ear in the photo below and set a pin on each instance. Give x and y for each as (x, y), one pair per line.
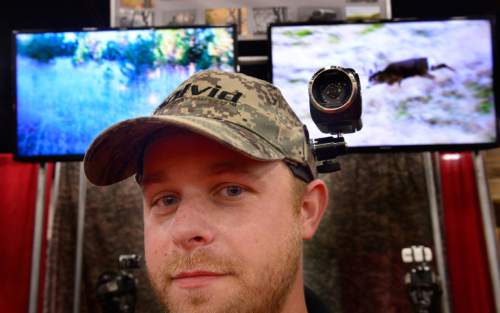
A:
(314, 203)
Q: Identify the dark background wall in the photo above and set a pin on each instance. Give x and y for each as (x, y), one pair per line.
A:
(33, 14)
(442, 8)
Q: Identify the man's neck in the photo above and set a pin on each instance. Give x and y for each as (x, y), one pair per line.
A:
(295, 301)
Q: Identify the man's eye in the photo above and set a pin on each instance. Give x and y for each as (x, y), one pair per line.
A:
(164, 202)
(169, 200)
(232, 191)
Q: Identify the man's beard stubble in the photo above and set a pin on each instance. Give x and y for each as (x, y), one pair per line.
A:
(264, 291)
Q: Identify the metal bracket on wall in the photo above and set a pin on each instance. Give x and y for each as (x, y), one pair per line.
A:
(488, 219)
(436, 229)
(82, 198)
(37, 238)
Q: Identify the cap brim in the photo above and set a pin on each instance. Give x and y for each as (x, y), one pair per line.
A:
(113, 156)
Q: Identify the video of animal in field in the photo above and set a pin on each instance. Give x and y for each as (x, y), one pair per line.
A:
(73, 85)
(423, 82)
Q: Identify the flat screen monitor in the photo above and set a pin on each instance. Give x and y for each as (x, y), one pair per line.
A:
(426, 84)
(72, 85)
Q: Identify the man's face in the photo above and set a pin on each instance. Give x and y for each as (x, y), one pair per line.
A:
(220, 230)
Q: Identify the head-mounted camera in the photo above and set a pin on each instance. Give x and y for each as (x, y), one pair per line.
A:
(335, 100)
(335, 106)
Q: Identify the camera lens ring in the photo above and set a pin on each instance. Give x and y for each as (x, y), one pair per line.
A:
(347, 103)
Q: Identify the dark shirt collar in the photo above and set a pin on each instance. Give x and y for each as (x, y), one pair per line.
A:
(313, 302)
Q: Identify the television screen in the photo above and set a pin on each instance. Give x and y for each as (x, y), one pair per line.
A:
(72, 85)
(426, 85)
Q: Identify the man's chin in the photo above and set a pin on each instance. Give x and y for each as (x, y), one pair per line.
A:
(190, 300)
(194, 300)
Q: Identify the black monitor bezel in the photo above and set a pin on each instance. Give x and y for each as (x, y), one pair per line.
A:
(412, 148)
(79, 157)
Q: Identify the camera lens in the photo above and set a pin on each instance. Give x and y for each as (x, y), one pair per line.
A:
(335, 93)
(332, 89)
(335, 100)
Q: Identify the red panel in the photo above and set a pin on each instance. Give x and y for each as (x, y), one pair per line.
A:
(18, 182)
(465, 244)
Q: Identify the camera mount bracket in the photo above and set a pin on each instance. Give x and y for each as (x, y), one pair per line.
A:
(326, 149)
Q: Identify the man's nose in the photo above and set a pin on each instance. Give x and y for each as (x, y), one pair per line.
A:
(190, 227)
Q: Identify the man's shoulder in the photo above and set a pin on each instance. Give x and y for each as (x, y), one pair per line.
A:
(314, 303)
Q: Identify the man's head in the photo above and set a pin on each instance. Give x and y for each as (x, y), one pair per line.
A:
(229, 194)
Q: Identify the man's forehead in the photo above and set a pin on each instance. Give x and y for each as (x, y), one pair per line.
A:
(253, 170)
(170, 150)
(181, 143)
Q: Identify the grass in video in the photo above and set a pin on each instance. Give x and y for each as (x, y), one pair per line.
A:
(73, 85)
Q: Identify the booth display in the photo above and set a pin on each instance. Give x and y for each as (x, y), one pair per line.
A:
(72, 85)
(423, 88)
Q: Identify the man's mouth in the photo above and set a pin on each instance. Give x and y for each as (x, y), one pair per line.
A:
(196, 279)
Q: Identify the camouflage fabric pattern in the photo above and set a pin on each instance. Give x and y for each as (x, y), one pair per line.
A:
(239, 111)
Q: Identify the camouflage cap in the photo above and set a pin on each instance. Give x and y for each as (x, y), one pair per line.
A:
(246, 114)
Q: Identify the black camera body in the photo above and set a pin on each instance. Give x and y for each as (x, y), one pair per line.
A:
(335, 106)
(335, 100)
